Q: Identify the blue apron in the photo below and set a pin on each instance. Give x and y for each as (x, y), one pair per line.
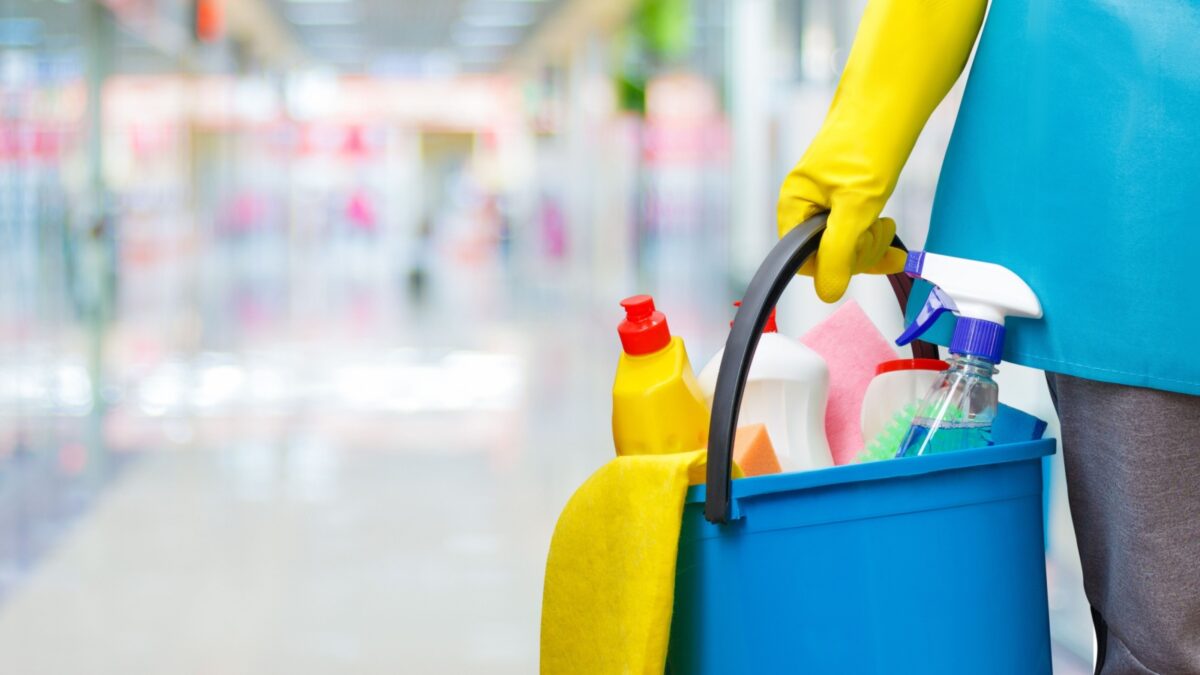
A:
(1075, 161)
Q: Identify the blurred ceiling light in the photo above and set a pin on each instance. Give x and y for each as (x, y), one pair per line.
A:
(217, 385)
(311, 93)
(73, 388)
(329, 15)
(255, 100)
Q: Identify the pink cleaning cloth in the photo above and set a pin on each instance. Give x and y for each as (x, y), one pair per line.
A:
(851, 346)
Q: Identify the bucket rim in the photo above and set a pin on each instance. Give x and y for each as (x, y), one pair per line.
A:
(881, 470)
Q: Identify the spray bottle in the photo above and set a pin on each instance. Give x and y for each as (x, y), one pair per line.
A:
(957, 412)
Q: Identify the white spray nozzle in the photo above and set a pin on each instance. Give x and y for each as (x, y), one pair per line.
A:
(981, 290)
(982, 294)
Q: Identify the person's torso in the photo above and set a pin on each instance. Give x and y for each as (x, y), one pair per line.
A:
(1075, 161)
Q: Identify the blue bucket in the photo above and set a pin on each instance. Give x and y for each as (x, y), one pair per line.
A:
(925, 565)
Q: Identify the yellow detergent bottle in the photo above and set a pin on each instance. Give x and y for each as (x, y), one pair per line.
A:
(657, 404)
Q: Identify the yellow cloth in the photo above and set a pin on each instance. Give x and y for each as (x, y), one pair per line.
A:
(610, 575)
(906, 56)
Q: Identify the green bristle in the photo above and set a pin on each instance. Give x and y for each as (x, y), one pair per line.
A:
(886, 443)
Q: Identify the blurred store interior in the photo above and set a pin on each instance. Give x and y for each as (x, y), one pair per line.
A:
(308, 307)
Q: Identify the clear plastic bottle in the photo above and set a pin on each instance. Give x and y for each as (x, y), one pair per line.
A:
(958, 411)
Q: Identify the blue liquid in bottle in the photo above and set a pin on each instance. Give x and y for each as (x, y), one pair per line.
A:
(957, 412)
(950, 436)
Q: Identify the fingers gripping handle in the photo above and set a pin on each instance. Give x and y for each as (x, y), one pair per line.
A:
(763, 293)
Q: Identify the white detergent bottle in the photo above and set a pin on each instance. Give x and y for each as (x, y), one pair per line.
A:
(958, 411)
(786, 391)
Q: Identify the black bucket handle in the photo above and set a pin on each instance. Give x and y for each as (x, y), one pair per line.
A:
(763, 293)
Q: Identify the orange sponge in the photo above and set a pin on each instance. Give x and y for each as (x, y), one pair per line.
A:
(753, 452)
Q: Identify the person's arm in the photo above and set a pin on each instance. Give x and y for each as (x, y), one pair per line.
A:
(906, 56)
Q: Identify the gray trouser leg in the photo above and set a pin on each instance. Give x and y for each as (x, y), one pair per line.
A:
(1132, 460)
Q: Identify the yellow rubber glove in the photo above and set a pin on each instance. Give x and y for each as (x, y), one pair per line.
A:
(906, 56)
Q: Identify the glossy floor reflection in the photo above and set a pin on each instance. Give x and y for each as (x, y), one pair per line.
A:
(373, 506)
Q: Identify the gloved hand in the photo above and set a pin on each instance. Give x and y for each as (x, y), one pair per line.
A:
(906, 56)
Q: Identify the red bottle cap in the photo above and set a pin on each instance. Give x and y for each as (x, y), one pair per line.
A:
(910, 364)
(644, 330)
(769, 327)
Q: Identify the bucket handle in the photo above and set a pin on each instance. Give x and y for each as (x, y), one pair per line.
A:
(780, 265)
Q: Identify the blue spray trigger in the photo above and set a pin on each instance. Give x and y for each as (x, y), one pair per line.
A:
(938, 304)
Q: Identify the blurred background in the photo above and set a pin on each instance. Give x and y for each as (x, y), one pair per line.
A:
(308, 307)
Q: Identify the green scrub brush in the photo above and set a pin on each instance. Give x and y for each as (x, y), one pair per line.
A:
(886, 443)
